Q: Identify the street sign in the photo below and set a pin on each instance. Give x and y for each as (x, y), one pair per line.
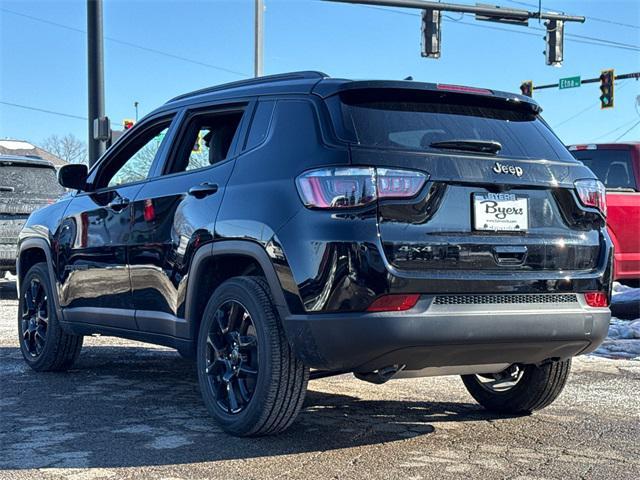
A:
(569, 82)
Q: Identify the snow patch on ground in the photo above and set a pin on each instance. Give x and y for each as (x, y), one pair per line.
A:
(623, 340)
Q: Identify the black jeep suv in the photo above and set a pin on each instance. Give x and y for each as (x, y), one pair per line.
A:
(298, 226)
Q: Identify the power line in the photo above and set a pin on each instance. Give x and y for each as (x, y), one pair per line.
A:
(128, 44)
(625, 124)
(590, 107)
(52, 112)
(596, 19)
(627, 131)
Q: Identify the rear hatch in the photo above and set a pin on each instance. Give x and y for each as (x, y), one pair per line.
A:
(25, 185)
(499, 192)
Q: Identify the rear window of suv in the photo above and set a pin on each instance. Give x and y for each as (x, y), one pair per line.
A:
(612, 166)
(29, 181)
(413, 120)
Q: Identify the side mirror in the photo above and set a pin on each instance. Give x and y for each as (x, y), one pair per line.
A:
(73, 176)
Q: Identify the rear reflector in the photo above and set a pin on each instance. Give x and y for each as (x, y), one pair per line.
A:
(596, 299)
(394, 303)
(463, 89)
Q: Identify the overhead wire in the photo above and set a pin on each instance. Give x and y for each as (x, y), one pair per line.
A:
(44, 110)
(127, 43)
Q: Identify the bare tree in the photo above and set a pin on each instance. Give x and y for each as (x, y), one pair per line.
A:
(69, 148)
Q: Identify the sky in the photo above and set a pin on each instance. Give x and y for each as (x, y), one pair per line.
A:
(155, 50)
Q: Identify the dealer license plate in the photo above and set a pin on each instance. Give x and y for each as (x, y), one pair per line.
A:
(500, 212)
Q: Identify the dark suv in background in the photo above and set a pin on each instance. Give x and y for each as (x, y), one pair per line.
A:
(298, 226)
(26, 184)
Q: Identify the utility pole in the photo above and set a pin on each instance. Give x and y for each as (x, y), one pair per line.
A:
(95, 63)
(259, 38)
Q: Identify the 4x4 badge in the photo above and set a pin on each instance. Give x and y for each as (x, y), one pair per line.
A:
(501, 168)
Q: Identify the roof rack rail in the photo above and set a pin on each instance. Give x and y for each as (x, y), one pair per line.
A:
(280, 77)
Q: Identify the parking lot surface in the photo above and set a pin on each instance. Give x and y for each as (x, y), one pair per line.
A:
(130, 410)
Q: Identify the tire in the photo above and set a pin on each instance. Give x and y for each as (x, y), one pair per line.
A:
(265, 392)
(44, 345)
(536, 388)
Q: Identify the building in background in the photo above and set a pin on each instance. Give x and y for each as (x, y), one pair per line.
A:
(20, 147)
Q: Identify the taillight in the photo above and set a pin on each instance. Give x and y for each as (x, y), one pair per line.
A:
(394, 303)
(592, 194)
(398, 183)
(596, 299)
(354, 187)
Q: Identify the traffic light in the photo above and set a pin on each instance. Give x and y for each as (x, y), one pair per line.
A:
(555, 42)
(527, 88)
(431, 33)
(127, 124)
(606, 87)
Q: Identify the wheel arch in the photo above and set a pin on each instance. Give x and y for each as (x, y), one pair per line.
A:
(216, 262)
(32, 251)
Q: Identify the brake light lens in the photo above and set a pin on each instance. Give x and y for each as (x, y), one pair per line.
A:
(338, 188)
(394, 303)
(577, 148)
(463, 89)
(592, 193)
(596, 299)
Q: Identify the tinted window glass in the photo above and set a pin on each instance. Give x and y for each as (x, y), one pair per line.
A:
(613, 167)
(137, 166)
(409, 120)
(207, 140)
(260, 124)
(26, 181)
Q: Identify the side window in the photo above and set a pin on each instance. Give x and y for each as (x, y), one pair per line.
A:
(207, 140)
(260, 124)
(138, 158)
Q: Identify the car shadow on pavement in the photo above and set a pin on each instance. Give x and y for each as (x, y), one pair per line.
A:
(8, 290)
(129, 406)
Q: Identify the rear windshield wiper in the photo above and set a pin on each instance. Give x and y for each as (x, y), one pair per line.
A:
(484, 146)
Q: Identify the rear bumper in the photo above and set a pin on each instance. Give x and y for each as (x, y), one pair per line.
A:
(431, 335)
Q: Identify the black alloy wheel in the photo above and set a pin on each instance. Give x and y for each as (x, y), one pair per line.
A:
(251, 381)
(34, 323)
(45, 345)
(232, 357)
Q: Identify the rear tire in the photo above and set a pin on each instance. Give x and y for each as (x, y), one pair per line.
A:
(536, 387)
(44, 345)
(250, 379)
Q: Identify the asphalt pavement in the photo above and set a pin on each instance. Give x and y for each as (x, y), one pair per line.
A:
(129, 410)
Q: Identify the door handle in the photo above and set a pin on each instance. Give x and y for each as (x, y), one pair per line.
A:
(203, 190)
(118, 204)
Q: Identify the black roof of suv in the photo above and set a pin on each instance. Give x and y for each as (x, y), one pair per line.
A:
(321, 84)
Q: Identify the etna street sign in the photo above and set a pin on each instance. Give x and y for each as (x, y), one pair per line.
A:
(569, 82)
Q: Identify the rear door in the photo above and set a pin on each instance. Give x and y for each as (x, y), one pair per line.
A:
(92, 259)
(174, 213)
(618, 167)
(25, 185)
(496, 211)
